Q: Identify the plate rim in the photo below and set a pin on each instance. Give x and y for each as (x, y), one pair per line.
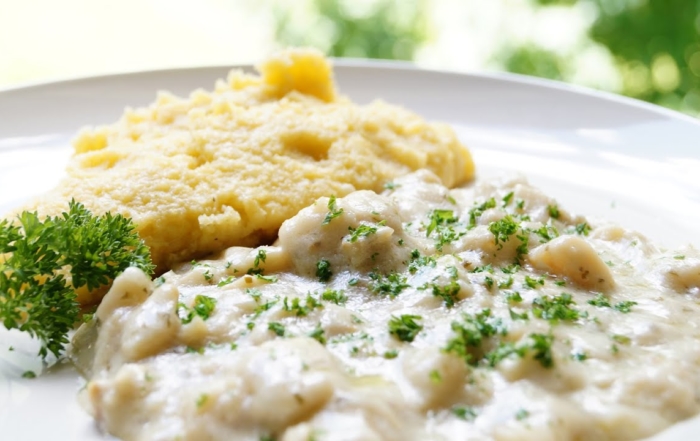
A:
(390, 65)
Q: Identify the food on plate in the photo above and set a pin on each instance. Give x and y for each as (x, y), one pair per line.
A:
(421, 313)
(224, 168)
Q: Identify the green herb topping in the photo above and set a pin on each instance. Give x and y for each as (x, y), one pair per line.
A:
(36, 295)
(405, 327)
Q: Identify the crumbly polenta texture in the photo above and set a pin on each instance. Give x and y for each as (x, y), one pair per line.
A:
(227, 167)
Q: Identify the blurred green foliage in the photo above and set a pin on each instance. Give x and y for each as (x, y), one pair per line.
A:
(655, 44)
(387, 29)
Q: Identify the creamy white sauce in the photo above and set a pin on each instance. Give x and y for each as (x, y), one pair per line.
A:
(258, 366)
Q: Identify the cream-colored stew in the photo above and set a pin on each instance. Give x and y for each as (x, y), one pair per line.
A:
(419, 314)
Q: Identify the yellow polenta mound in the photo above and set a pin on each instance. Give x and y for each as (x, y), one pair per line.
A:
(226, 168)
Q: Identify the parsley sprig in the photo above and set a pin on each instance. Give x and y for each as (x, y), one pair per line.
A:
(43, 262)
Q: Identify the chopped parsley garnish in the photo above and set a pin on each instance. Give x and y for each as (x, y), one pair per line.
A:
(255, 293)
(202, 400)
(448, 292)
(513, 297)
(522, 414)
(542, 346)
(579, 356)
(318, 334)
(260, 257)
(465, 413)
(203, 307)
(277, 328)
(159, 281)
(440, 218)
(478, 210)
(561, 307)
(442, 224)
(323, 270)
(299, 309)
(390, 354)
(622, 339)
(435, 376)
(336, 296)
(518, 316)
(679, 257)
(363, 230)
(506, 283)
(333, 211)
(602, 302)
(390, 186)
(418, 261)
(553, 211)
(532, 283)
(28, 374)
(546, 232)
(510, 269)
(268, 279)
(405, 327)
(264, 307)
(503, 229)
(391, 284)
(625, 307)
(36, 296)
(507, 198)
(483, 269)
(226, 281)
(470, 333)
(582, 229)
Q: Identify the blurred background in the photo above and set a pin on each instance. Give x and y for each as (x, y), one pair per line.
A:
(646, 49)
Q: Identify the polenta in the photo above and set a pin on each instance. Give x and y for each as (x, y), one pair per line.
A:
(223, 168)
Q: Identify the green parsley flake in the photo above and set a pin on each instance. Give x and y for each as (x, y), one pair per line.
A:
(318, 334)
(582, 229)
(418, 261)
(478, 210)
(226, 281)
(553, 211)
(555, 308)
(442, 224)
(203, 307)
(470, 333)
(333, 211)
(503, 229)
(323, 270)
(522, 414)
(362, 230)
(405, 327)
(448, 292)
(506, 283)
(507, 199)
(391, 284)
(465, 413)
(533, 283)
(299, 309)
(625, 307)
(336, 296)
(277, 328)
(391, 354)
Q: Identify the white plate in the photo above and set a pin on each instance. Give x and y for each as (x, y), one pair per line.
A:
(599, 154)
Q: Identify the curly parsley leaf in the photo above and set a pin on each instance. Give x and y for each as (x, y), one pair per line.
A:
(43, 262)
